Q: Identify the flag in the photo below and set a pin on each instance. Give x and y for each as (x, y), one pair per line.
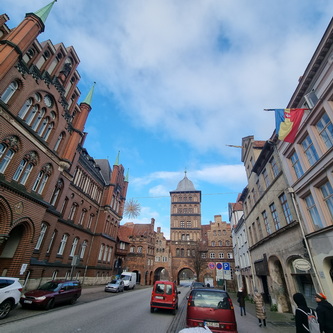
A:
(287, 122)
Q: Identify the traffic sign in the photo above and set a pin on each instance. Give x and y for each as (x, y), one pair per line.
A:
(211, 265)
(226, 266)
(219, 265)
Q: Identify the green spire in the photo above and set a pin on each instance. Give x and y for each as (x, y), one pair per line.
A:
(117, 159)
(88, 99)
(127, 176)
(44, 12)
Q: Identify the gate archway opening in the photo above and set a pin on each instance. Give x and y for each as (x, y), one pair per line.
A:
(185, 277)
(161, 273)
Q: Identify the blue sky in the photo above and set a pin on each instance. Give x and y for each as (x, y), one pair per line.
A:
(178, 81)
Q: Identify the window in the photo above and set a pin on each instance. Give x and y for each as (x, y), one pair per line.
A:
(8, 148)
(313, 211)
(325, 130)
(296, 165)
(42, 179)
(310, 150)
(25, 167)
(41, 236)
(132, 249)
(101, 251)
(213, 243)
(230, 255)
(275, 216)
(51, 242)
(227, 243)
(83, 214)
(71, 214)
(274, 166)
(259, 228)
(327, 192)
(139, 249)
(59, 140)
(266, 178)
(106, 251)
(9, 92)
(285, 207)
(25, 108)
(182, 224)
(109, 254)
(83, 249)
(221, 255)
(267, 226)
(74, 245)
(189, 224)
(38, 119)
(59, 186)
(212, 255)
(220, 243)
(203, 255)
(62, 244)
(31, 115)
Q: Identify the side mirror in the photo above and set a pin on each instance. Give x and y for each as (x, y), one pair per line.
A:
(178, 292)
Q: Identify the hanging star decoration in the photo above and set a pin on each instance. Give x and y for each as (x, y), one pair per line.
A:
(132, 209)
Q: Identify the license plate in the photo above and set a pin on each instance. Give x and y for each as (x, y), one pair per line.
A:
(212, 324)
(159, 297)
(27, 301)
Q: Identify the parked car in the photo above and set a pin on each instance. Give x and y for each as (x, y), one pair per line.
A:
(164, 296)
(10, 293)
(211, 307)
(115, 286)
(196, 284)
(51, 293)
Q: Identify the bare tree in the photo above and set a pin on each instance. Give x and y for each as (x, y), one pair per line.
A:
(199, 263)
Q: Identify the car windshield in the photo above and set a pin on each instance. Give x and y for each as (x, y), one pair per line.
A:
(125, 277)
(197, 285)
(50, 286)
(114, 281)
(210, 299)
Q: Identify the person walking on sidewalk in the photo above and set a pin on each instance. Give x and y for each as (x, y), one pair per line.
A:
(260, 308)
(325, 313)
(241, 300)
(301, 317)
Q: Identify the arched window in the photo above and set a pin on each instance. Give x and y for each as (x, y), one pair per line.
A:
(8, 148)
(41, 236)
(72, 212)
(38, 119)
(31, 115)
(9, 92)
(101, 251)
(83, 249)
(24, 169)
(73, 248)
(60, 138)
(51, 241)
(25, 108)
(43, 126)
(62, 244)
(48, 131)
(59, 186)
(42, 179)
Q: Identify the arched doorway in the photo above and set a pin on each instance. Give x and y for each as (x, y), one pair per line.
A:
(138, 277)
(185, 276)
(161, 274)
(279, 289)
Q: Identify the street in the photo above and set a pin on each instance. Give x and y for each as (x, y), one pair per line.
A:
(122, 313)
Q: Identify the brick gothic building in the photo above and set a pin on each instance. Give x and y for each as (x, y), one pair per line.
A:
(59, 208)
(151, 255)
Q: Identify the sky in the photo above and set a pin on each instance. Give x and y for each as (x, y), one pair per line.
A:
(177, 81)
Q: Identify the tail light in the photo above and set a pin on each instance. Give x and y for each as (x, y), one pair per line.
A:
(230, 303)
(20, 290)
(190, 302)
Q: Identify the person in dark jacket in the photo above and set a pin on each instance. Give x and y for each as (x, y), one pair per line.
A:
(301, 318)
(241, 301)
(325, 313)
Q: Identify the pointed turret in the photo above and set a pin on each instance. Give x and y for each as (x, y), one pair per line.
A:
(127, 176)
(19, 40)
(44, 12)
(117, 159)
(89, 97)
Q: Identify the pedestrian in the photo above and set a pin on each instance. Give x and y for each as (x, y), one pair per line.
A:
(241, 300)
(325, 313)
(260, 308)
(301, 317)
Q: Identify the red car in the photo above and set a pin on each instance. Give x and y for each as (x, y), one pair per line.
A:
(164, 296)
(51, 293)
(213, 308)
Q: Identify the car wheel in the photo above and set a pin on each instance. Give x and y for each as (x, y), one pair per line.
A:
(152, 310)
(117, 291)
(73, 300)
(50, 304)
(5, 308)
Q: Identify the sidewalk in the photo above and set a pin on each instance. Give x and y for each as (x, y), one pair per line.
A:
(278, 322)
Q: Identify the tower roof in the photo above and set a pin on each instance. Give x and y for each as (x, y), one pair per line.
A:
(44, 12)
(89, 97)
(185, 185)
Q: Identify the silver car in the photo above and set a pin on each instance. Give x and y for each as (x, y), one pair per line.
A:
(115, 286)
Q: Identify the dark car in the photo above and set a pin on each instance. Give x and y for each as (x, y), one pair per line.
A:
(51, 293)
(196, 284)
(164, 296)
(115, 286)
(211, 307)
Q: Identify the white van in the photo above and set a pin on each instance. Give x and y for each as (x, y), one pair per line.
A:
(129, 279)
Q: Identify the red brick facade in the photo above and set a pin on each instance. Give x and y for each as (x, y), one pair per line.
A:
(58, 205)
